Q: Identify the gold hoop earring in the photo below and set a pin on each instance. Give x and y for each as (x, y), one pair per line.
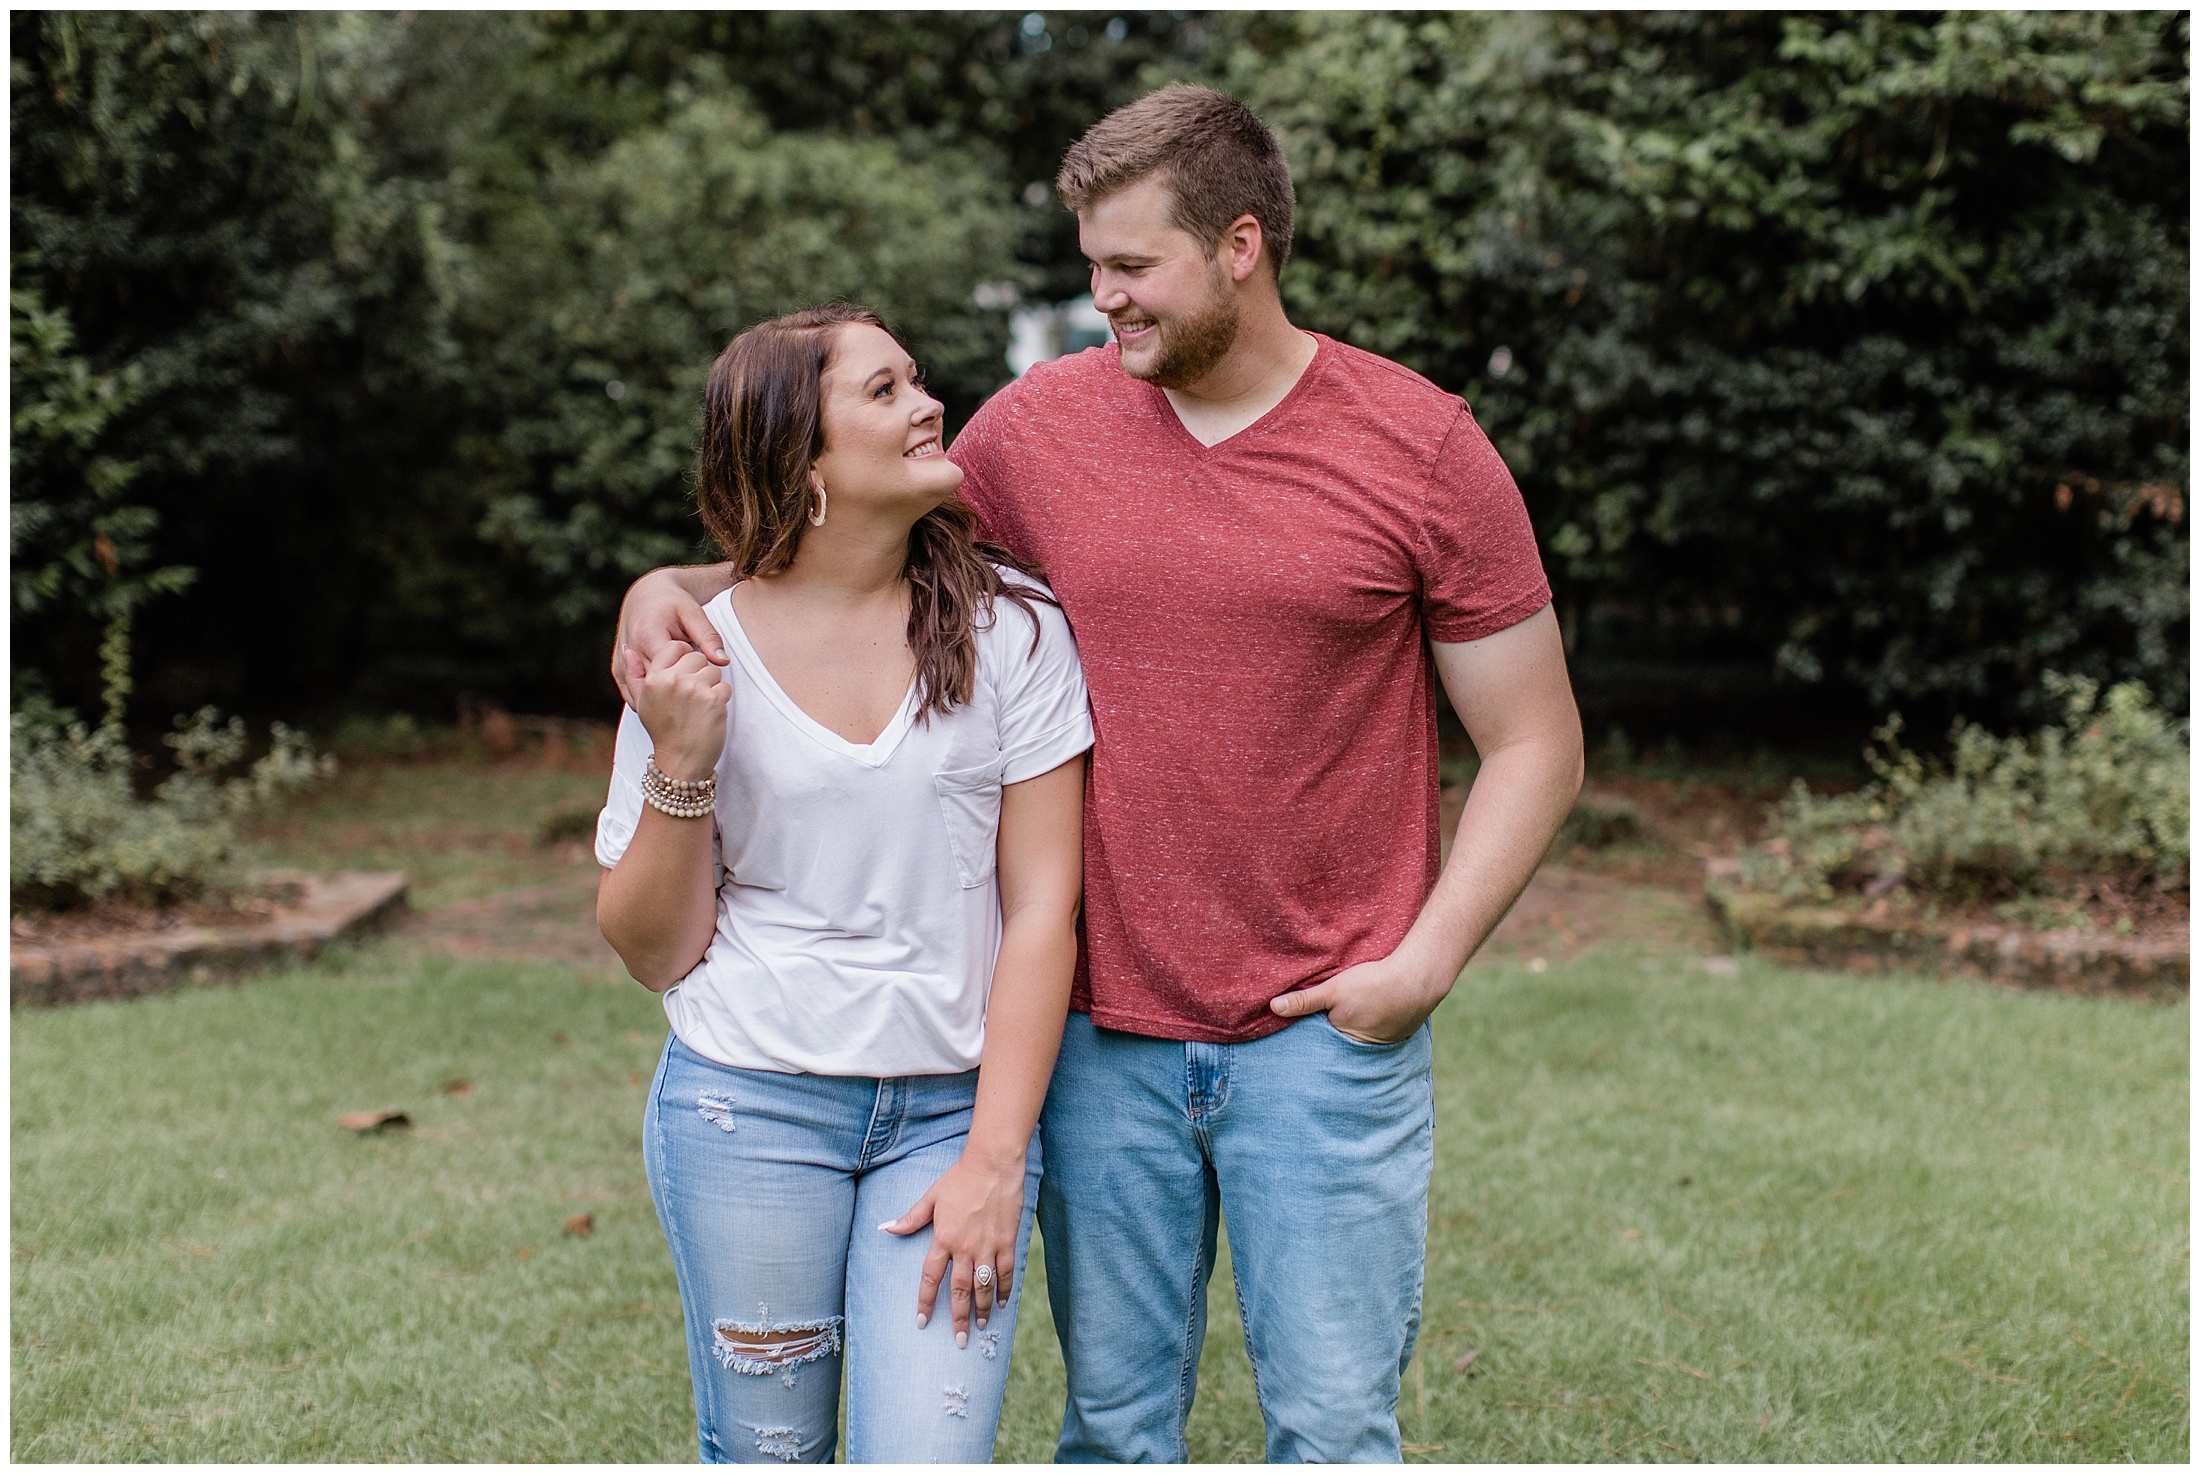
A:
(817, 519)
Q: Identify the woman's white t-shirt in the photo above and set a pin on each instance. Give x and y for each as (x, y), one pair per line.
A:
(858, 914)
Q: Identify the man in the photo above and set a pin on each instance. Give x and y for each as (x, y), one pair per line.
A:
(1257, 534)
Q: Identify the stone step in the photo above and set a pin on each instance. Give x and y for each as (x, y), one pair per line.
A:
(123, 966)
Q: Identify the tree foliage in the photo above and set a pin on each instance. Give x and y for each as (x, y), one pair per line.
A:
(1852, 346)
(605, 294)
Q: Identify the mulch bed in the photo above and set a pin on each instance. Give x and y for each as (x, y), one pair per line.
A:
(114, 916)
(2148, 954)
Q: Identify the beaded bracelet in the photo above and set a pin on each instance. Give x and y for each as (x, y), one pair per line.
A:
(680, 798)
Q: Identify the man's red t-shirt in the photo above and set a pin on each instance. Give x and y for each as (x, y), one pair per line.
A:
(1261, 810)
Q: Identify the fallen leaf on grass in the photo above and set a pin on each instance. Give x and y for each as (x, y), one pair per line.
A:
(458, 1087)
(1466, 1361)
(1997, 1376)
(526, 1254)
(365, 1121)
(580, 1225)
(1678, 1366)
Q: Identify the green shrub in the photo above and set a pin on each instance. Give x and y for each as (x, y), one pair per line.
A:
(1600, 822)
(79, 831)
(567, 824)
(2106, 793)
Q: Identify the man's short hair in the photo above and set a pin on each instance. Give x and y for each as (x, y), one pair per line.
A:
(1215, 154)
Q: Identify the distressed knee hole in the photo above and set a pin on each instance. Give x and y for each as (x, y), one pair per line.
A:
(958, 1402)
(784, 1444)
(763, 1346)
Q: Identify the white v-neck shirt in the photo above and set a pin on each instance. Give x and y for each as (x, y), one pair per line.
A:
(858, 911)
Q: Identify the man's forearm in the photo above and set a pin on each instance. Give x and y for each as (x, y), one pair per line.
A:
(1520, 797)
(701, 582)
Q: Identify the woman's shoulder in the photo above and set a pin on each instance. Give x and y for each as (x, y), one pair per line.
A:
(1026, 629)
(1023, 580)
(719, 611)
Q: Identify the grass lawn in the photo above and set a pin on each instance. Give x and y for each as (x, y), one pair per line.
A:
(1778, 1215)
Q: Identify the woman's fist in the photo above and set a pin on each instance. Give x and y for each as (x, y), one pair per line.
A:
(682, 703)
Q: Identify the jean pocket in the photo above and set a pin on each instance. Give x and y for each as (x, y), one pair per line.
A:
(1356, 1042)
(970, 802)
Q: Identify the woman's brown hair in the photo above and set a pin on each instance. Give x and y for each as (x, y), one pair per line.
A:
(763, 428)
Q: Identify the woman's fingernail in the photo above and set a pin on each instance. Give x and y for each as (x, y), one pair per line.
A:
(962, 1339)
(888, 1225)
(921, 1319)
(981, 1322)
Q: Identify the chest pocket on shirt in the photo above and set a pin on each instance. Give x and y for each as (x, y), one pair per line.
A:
(970, 802)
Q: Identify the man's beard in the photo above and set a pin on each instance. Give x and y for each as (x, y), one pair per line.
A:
(1192, 346)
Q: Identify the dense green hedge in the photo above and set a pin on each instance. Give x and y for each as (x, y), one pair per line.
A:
(1854, 348)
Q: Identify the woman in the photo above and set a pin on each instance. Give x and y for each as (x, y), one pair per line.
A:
(852, 866)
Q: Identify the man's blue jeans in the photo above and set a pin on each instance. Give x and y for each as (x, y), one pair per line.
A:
(1317, 1150)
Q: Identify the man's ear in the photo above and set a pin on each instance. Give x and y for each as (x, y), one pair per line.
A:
(1239, 250)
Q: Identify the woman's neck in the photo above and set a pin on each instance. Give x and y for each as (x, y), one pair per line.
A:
(852, 563)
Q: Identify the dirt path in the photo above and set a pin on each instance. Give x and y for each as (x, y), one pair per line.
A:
(553, 921)
(1565, 911)
(489, 885)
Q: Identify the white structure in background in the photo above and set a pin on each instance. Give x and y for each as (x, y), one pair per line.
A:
(1043, 331)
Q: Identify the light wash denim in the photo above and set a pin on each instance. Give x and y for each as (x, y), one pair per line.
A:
(1317, 1150)
(770, 1188)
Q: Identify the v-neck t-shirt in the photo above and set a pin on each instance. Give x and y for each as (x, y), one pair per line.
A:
(858, 909)
(1261, 808)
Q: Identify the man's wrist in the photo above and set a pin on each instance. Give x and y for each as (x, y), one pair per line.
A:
(1432, 970)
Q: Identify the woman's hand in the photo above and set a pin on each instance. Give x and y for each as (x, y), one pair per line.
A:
(662, 608)
(975, 1210)
(682, 702)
